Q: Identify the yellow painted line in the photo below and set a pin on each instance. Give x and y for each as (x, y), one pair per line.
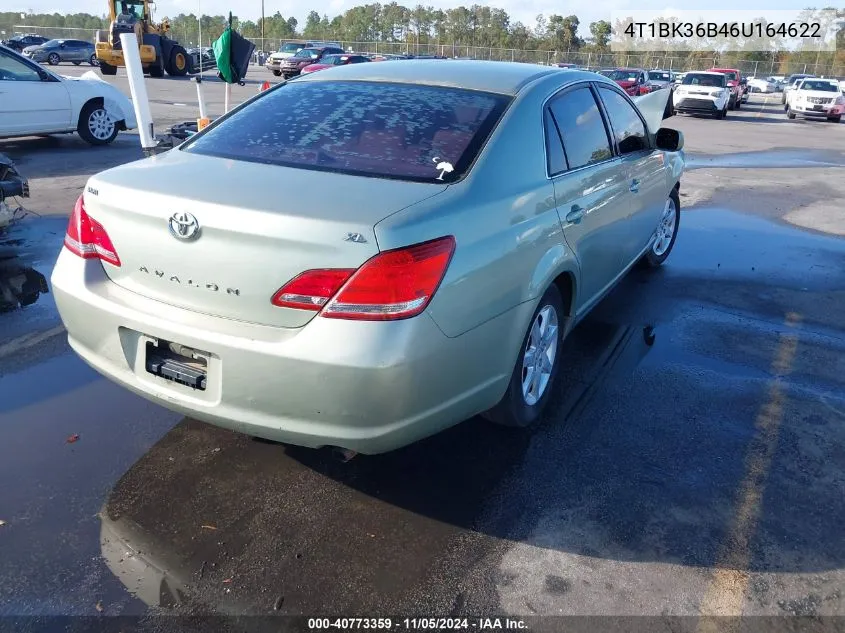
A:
(726, 593)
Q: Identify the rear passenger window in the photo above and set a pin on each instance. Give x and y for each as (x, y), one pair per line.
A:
(554, 150)
(628, 128)
(581, 126)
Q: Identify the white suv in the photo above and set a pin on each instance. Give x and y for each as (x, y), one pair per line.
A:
(702, 92)
(813, 97)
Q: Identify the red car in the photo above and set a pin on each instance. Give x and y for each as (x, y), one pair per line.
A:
(334, 60)
(632, 80)
(736, 84)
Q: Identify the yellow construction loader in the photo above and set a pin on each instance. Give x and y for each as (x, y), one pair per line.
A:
(159, 53)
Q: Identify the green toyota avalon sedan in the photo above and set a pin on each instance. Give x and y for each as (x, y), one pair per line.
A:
(367, 255)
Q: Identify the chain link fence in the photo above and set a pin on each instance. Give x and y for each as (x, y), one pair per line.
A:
(52, 32)
(593, 61)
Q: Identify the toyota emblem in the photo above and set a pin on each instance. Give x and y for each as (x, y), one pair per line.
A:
(183, 226)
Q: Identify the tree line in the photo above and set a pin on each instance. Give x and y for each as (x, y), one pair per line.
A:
(422, 28)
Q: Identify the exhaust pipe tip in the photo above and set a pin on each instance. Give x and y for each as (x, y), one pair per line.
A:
(343, 454)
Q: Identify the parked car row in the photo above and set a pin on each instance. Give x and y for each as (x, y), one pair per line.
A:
(295, 58)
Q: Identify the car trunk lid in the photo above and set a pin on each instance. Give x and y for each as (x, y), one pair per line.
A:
(259, 227)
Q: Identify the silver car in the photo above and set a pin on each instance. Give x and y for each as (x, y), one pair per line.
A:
(365, 256)
(58, 51)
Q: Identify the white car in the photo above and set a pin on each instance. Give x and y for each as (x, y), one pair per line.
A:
(816, 98)
(758, 84)
(34, 100)
(702, 92)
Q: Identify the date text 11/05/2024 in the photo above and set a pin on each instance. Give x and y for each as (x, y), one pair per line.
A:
(416, 624)
(714, 29)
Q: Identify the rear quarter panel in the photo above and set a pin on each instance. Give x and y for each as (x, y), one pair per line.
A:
(509, 239)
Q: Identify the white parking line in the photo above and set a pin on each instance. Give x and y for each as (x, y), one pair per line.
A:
(28, 340)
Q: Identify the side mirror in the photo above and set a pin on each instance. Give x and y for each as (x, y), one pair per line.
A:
(669, 140)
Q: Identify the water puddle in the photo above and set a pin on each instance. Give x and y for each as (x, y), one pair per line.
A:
(768, 159)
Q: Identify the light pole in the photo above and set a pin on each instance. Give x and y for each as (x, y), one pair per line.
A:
(199, 20)
(263, 45)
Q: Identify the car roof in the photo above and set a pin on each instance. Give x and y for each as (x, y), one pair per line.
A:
(704, 72)
(487, 76)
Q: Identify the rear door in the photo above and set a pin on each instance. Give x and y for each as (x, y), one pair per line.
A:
(642, 167)
(591, 198)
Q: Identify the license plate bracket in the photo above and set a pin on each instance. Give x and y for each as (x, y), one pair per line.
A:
(818, 108)
(177, 363)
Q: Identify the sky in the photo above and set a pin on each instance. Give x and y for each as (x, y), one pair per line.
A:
(522, 10)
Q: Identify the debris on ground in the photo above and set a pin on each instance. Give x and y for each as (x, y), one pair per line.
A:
(99, 606)
(227, 580)
(2, 523)
(208, 527)
(73, 438)
(279, 602)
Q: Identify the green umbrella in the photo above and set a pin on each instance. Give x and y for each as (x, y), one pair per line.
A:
(222, 48)
(233, 53)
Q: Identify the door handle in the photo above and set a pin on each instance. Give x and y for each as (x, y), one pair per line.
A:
(635, 186)
(575, 214)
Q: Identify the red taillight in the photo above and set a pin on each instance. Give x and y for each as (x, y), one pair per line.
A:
(87, 238)
(392, 285)
(312, 289)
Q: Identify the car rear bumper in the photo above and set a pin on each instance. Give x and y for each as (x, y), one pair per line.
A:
(366, 386)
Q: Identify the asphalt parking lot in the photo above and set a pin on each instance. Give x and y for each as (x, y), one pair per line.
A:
(694, 463)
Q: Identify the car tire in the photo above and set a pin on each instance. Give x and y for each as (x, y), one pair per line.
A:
(738, 104)
(667, 232)
(53, 59)
(835, 119)
(532, 382)
(95, 125)
(277, 73)
(156, 69)
(92, 61)
(180, 62)
(783, 98)
(790, 114)
(107, 69)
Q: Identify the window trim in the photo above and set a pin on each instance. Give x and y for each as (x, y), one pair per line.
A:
(560, 92)
(39, 70)
(626, 97)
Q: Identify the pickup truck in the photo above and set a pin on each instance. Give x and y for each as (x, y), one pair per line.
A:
(738, 87)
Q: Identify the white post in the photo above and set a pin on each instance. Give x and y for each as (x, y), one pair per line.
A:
(138, 89)
(227, 98)
(201, 101)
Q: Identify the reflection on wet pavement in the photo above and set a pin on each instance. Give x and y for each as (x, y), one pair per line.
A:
(767, 159)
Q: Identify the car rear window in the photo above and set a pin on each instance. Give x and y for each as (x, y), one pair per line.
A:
(290, 48)
(404, 131)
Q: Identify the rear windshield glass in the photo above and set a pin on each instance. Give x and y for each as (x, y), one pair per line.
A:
(290, 48)
(659, 76)
(713, 81)
(624, 75)
(410, 132)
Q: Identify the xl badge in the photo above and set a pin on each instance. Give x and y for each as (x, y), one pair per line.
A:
(183, 226)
